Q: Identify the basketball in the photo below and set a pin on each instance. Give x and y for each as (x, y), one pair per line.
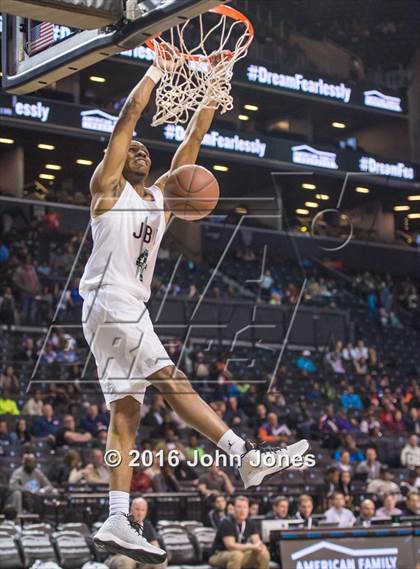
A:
(191, 192)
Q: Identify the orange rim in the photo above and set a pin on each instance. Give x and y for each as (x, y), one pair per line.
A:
(223, 10)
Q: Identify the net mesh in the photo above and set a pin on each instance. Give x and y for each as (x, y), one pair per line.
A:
(197, 61)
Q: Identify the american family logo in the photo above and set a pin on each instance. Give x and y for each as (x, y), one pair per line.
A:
(398, 170)
(297, 82)
(309, 156)
(214, 139)
(97, 120)
(380, 101)
(350, 557)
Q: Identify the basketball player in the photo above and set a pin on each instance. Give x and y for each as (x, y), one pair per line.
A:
(128, 223)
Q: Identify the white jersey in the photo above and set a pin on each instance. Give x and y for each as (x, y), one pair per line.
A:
(126, 240)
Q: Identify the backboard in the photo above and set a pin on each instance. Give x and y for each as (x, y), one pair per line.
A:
(36, 54)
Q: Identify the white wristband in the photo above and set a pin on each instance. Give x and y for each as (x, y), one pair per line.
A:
(154, 73)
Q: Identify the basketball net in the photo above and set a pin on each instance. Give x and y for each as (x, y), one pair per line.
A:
(195, 76)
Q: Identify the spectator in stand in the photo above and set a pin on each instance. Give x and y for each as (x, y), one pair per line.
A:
(412, 420)
(47, 424)
(8, 307)
(7, 405)
(254, 508)
(389, 507)
(351, 400)
(304, 512)
(272, 432)
(384, 484)
(343, 464)
(7, 439)
(346, 487)
(397, 424)
(237, 543)
(194, 450)
(218, 512)
(410, 454)
(33, 406)
(332, 480)
(27, 283)
(28, 352)
(93, 421)
(215, 479)
(371, 466)
(305, 363)
(96, 471)
(349, 444)
(338, 514)
(68, 435)
(140, 482)
(412, 504)
(233, 415)
(165, 480)
(27, 478)
(157, 412)
(49, 355)
(266, 286)
(138, 512)
(71, 471)
(279, 509)
(9, 380)
(260, 416)
(22, 431)
(367, 513)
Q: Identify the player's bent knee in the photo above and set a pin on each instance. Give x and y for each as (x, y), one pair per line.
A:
(125, 413)
(171, 381)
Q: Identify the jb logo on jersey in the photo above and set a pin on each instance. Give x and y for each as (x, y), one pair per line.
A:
(142, 263)
(148, 231)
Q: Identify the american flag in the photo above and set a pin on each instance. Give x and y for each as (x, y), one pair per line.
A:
(41, 36)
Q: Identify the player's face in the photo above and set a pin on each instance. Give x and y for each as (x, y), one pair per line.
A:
(138, 159)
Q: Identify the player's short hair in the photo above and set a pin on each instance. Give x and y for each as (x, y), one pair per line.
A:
(240, 499)
(303, 498)
(279, 499)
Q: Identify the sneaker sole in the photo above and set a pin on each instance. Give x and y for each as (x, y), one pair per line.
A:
(261, 477)
(140, 555)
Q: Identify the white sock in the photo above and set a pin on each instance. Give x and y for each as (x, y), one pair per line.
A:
(119, 502)
(232, 444)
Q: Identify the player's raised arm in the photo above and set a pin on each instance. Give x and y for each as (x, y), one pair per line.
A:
(107, 178)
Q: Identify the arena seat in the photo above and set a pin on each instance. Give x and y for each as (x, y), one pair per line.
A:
(72, 548)
(10, 557)
(179, 546)
(204, 539)
(36, 545)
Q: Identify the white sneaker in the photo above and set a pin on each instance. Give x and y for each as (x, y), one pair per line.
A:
(121, 534)
(260, 461)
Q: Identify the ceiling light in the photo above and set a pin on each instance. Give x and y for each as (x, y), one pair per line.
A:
(251, 107)
(43, 146)
(52, 166)
(47, 176)
(336, 124)
(303, 229)
(97, 79)
(307, 186)
(301, 211)
(6, 140)
(220, 168)
(362, 190)
(322, 197)
(84, 162)
(243, 117)
(413, 216)
(401, 208)
(413, 198)
(311, 204)
(241, 210)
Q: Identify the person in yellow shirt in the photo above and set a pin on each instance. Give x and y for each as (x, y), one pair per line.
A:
(8, 406)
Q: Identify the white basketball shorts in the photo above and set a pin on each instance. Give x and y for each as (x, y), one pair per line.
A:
(120, 334)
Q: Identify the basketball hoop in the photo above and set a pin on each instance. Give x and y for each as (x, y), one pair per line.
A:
(197, 71)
